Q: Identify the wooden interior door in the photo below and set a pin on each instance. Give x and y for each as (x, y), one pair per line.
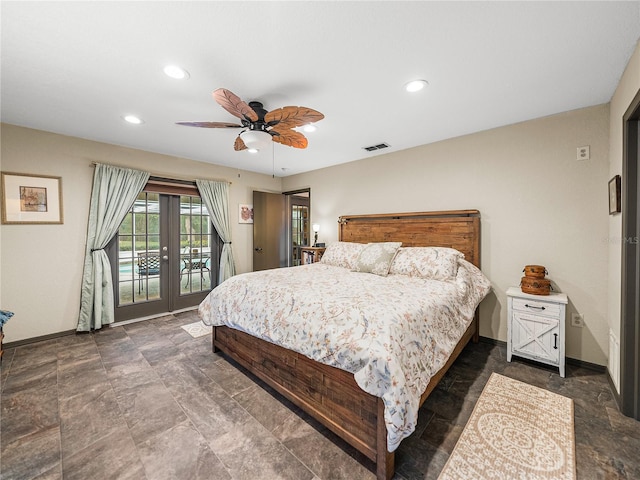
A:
(269, 231)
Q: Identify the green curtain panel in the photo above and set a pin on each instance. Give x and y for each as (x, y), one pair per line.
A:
(216, 198)
(114, 191)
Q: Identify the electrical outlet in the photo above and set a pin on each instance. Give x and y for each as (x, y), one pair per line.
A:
(583, 153)
(577, 320)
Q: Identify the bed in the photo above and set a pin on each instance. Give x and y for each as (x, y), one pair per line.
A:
(371, 422)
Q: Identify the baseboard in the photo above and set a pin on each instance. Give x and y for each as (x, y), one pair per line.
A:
(588, 365)
(27, 341)
(492, 341)
(570, 361)
(612, 386)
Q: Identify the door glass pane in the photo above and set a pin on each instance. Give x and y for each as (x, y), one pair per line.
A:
(125, 226)
(299, 229)
(195, 246)
(139, 253)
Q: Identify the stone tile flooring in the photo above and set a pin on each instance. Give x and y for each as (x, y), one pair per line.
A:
(148, 401)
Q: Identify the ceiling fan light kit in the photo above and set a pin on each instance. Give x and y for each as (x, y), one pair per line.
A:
(255, 139)
(261, 126)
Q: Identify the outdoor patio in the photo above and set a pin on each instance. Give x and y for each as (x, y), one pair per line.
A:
(137, 287)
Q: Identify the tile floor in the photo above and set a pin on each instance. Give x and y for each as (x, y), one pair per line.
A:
(148, 401)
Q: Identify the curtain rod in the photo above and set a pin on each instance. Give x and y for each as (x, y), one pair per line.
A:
(157, 177)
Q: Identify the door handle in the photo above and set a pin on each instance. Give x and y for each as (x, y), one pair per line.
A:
(555, 341)
(258, 249)
(165, 257)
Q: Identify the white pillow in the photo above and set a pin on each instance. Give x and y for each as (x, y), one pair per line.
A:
(342, 254)
(376, 258)
(435, 263)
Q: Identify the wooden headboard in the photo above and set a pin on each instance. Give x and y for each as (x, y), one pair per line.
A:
(459, 229)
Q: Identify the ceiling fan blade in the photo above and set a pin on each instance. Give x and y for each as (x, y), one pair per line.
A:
(290, 117)
(289, 137)
(210, 124)
(239, 144)
(232, 104)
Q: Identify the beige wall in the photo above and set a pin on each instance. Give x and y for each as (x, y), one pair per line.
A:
(41, 265)
(538, 205)
(627, 89)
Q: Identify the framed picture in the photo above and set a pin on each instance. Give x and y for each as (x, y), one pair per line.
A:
(31, 199)
(614, 195)
(245, 213)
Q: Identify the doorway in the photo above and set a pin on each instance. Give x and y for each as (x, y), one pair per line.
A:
(269, 231)
(280, 228)
(164, 257)
(299, 213)
(630, 301)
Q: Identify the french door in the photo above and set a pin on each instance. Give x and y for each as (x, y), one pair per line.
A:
(299, 231)
(164, 257)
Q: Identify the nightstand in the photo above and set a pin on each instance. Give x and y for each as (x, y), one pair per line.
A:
(535, 327)
(312, 254)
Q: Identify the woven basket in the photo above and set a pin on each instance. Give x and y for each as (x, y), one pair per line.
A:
(535, 286)
(535, 271)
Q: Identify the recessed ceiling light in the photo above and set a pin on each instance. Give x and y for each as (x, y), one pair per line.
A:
(133, 119)
(252, 150)
(176, 72)
(415, 85)
(309, 128)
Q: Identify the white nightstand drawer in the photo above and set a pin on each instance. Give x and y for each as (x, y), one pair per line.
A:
(547, 309)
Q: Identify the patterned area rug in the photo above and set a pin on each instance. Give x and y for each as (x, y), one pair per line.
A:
(518, 431)
(197, 329)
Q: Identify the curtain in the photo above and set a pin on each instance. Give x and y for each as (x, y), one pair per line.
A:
(215, 196)
(114, 191)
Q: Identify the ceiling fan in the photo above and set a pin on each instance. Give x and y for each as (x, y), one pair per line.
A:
(260, 126)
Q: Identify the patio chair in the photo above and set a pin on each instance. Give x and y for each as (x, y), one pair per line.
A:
(193, 260)
(148, 264)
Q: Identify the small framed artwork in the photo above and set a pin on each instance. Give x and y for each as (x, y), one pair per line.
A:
(31, 199)
(245, 213)
(614, 195)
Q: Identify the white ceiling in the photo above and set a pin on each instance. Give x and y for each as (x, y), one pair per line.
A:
(76, 68)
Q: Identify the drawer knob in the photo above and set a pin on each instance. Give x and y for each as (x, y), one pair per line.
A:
(533, 306)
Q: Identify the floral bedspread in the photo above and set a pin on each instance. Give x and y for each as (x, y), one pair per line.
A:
(393, 333)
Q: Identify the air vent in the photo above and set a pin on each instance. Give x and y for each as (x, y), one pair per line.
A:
(379, 146)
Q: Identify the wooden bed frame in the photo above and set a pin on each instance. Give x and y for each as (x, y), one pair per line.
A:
(331, 395)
